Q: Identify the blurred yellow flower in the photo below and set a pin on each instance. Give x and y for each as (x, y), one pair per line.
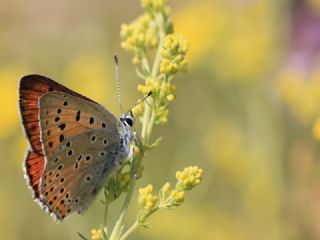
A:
(166, 187)
(146, 200)
(155, 5)
(178, 196)
(300, 91)
(201, 22)
(316, 129)
(96, 234)
(9, 116)
(189, 177)
(229, 152)
(170, 97)
(240, 44)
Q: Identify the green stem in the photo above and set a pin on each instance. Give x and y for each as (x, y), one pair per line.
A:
(145, 65)
(145, 121)
(151, 123)
(106, 214)
(137, 224)
(115, 233)
(130, 230)
(157, 60)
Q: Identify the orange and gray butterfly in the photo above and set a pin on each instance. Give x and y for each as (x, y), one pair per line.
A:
(31, 88)
(75, 143)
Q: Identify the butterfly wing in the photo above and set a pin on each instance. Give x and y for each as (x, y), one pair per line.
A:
(77, 170)
(81, 142)
(32, 87)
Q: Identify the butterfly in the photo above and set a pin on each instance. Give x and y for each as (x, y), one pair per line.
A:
(75, 145)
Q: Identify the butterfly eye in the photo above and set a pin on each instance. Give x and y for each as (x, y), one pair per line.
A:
(129, 121)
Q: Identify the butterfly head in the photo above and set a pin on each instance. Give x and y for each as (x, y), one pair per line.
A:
(127, 119)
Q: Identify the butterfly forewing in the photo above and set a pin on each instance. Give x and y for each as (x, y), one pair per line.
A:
(63, 116)
(77, 170)
(31, 88)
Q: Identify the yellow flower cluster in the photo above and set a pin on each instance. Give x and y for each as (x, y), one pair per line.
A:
(166, 92)
(173, 53)
(162, 115)
(189, 177)
(96, 234)
(150, 85)
(177, 196)
(156, 6)
(139, 36)
(146, 200)
(171, 197)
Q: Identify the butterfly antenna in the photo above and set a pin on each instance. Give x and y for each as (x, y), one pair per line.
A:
(139, 102)
(118, 81)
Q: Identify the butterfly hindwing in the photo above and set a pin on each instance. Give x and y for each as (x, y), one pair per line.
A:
(34, 165)
(77, 170)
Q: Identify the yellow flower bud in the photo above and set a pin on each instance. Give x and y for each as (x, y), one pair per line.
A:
(146, 200)
(166, 187)
(180, 196)
(136, 60)
(141, 88)
(163, 120)
(170, 97)
(136, 151)
(96, 234)
(189, 177)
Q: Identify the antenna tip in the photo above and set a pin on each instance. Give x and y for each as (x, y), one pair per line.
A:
(149, 94)
(116, 59)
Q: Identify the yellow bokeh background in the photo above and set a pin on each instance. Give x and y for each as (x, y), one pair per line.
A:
(243, 112)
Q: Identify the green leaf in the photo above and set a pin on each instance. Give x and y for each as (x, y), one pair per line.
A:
(82, 237)
(155, 143)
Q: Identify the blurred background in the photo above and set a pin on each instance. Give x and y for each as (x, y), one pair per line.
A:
(247, 112)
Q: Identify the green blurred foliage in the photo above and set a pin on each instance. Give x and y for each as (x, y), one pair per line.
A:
(242, 113)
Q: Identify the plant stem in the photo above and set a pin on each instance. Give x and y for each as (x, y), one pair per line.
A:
(145, 121)
(157, 58)
(119, 223)
(130, 230)
(137, 224)
(106, 214)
